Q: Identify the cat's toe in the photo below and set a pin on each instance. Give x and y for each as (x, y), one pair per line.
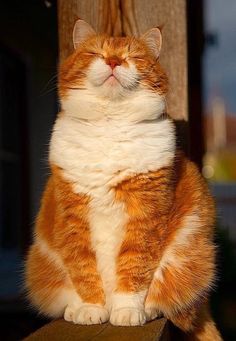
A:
(91, 314)
(69, 313)
(152, 313)
(128, 317)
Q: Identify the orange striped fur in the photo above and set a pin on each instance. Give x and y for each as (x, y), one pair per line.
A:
(126, 224)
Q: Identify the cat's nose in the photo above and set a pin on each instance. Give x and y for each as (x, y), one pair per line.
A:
(113, 61)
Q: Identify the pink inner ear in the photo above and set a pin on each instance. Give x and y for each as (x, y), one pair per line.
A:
(81, 32)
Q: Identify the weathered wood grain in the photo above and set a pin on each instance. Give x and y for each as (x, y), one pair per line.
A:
(138, 16)
(134, 17)
(60, 330)
(103, 15)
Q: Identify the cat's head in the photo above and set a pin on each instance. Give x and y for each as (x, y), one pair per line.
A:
(119, 74)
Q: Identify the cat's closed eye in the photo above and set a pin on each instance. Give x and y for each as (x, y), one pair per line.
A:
(138, 58)
(92, 53)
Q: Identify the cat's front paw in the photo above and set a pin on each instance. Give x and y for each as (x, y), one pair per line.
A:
(86, 314)
(128, 317)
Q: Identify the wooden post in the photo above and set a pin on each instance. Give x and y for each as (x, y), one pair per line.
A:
(138, 16)
(134, 17)
(103, 15)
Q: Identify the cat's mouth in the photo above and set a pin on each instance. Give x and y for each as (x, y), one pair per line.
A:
(112, 80)
(116, 79)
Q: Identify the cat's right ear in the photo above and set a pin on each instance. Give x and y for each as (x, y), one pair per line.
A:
(81, 32)
(153, 39)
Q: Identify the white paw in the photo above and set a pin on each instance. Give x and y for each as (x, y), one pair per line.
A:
(152, 313)
(128, 317)
(69, 313)
(86, 314)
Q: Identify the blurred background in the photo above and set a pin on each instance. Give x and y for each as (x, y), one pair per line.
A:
(219, 158)
(28, 107)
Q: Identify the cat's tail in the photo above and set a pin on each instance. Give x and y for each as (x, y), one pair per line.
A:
(206, 332)
(204, 328)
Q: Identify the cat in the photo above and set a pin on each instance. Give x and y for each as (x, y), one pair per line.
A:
(125, 229)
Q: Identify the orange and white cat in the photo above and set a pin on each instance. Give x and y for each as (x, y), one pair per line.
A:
(125, 229)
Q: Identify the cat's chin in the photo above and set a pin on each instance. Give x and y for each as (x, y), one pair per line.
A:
(111, 89)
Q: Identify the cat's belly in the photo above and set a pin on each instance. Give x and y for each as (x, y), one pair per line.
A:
(95, 158)
(107, 220)
(107, 217)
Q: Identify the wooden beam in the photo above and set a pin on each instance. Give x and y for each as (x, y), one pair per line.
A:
(157, 330)
(133, 17)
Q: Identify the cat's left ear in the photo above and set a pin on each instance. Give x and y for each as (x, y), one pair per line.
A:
(81, 32)
(153, 39)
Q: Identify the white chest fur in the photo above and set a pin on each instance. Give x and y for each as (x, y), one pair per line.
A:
(95, 157)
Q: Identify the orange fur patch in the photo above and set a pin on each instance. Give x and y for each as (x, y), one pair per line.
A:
(64, 227)
(43, 279)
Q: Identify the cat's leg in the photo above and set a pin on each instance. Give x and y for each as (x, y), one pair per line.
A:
(51, 290)
(133, 279)
(148, 200)
(80, 261)
(194, 318)
(87, 282)
(183, 279)
(47, 283)
(62, 224)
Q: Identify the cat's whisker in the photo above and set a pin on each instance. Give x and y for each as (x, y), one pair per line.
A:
(51, 80)
(49, 91)
(76, 88)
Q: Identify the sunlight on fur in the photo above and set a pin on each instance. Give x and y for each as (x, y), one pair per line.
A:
(125, 229)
